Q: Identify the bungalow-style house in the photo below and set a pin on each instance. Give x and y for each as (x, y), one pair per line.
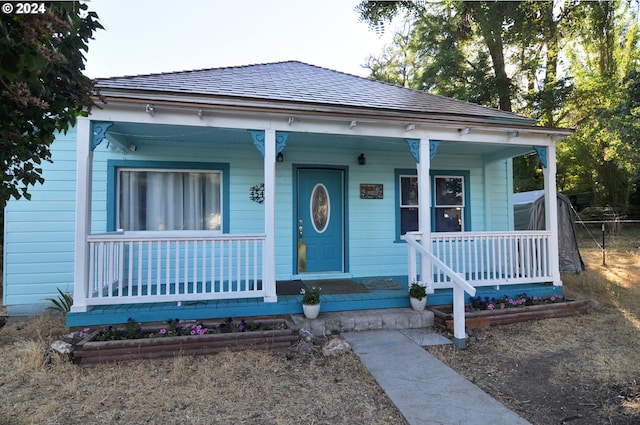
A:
(196, 194)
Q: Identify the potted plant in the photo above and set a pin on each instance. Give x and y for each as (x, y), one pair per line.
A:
(311, 302)
(418, 296)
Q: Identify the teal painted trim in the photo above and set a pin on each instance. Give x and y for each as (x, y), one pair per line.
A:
(287, 304)
(445, 296)
(542, 154)
(113, 165)
(433, 148)
(258, 139)
(397, 173)
(466, 176)
(294, 218)
(281, 141)
(414, 148)
(98, 132)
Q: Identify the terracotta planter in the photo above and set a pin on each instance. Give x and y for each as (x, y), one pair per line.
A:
(477, 319)
(418, 304)
(311, 311)
(88, 352)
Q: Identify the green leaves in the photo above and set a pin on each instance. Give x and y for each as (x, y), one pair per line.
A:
(62, 302)
(42, 88)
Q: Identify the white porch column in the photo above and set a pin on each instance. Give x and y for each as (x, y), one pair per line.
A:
(551, 209)
(84, 164)
(424, 210)
(269, 254)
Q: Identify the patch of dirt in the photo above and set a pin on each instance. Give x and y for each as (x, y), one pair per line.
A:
(579, 370)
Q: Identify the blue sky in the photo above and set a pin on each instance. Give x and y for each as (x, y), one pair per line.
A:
(148, 36)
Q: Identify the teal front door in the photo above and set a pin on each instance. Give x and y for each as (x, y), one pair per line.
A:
(319, 223)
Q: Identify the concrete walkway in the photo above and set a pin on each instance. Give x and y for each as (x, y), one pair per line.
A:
(425, 390)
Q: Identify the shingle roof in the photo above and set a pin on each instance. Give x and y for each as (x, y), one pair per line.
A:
(294, 81)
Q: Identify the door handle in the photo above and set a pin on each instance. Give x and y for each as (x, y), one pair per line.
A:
(300, 228)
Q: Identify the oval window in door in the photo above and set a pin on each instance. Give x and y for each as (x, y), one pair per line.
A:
(320, 208)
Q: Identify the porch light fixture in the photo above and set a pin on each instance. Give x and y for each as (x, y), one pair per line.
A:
(133, 148)
(280, 157)
(149, 109)
(513, 134)
(463, 131)
(362, 160)
(410, 127)
(352, 124)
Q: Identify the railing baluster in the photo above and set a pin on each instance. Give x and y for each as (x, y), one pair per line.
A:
(215, 265)
(221, 266)
(130, 274)
(158, 267)
(204, 273)
(149, 266)
(120, 268)
(195, 266)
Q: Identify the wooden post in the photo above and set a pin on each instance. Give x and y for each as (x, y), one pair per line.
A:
(459, 332)
(84, 158)
(424, 202)
(269, 249)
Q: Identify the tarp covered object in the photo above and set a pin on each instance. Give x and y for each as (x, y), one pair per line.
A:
(529, 214)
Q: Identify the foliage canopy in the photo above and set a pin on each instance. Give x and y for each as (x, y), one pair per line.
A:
(566, 63)
(42, 88)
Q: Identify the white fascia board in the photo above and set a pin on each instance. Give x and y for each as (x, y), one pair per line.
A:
(126, 110)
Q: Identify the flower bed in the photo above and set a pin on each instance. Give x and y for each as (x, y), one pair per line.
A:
(483, 313)
(139, 342)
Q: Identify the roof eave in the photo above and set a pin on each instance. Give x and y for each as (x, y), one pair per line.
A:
(320, 109)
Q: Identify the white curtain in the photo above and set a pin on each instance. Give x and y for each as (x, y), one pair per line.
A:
(169, 200)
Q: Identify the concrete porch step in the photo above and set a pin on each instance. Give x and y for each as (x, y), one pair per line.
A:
(364, 320)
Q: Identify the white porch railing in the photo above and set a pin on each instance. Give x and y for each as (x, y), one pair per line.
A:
(492, 258)
(134, 268)
(466, 260)
(460, 285)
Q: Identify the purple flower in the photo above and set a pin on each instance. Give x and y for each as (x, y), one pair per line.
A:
(193, 332)
(491, 306)
(162, 331)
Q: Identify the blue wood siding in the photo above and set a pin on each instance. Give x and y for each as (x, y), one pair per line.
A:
(39, 234)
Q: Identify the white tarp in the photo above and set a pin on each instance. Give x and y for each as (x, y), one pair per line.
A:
(529, 214)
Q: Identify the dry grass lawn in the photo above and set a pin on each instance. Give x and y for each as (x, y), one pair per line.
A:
(250, 387)
(577, 370)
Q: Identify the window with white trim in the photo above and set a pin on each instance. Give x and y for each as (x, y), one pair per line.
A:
(164, 200)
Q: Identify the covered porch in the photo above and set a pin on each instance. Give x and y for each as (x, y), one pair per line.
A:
(383, 165)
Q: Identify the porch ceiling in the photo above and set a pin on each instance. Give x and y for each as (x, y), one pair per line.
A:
(140, 134)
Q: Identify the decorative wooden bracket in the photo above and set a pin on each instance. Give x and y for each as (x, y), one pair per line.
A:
(98, 132)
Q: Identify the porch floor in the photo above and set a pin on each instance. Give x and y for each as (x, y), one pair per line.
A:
(286, 304)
